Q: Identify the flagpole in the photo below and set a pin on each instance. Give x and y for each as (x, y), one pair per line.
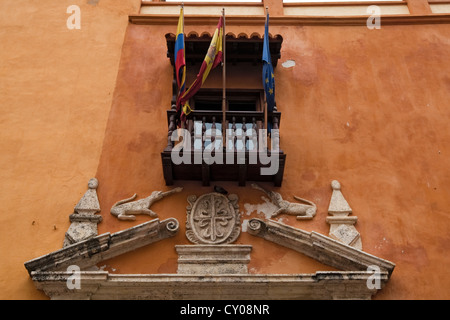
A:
(224, 80)
(183, 125)
(265, 99)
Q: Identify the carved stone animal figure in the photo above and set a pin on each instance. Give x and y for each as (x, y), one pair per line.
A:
(125, 210)
(302, 211)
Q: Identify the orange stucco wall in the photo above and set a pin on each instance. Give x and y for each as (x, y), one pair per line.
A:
(56, 88)
(365, 107)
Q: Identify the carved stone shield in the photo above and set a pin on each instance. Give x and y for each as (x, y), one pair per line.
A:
(213, 218)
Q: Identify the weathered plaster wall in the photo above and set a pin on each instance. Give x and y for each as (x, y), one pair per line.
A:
(372, 108)
(366, 107)
(56, 88)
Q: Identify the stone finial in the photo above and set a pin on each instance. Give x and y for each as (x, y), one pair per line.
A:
(84, 220)
(341, 225)
(89, 204)
(338, 204)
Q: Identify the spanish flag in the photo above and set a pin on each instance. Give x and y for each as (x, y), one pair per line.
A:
(212, 59)
(180, 61)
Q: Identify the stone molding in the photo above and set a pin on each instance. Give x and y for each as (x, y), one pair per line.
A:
(101, 285)
(88, 253)
(322, 248)
(213, 259)
(400, 19)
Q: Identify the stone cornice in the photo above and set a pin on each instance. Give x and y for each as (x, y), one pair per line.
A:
(103, 285)
(166, 19)
(89, 252)
(317, 246)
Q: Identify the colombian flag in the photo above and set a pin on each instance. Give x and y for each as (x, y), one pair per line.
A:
(212, 59)
(180, 61)
(267, 75)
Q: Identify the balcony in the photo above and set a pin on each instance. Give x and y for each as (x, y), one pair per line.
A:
(247, 154)
(242, 151)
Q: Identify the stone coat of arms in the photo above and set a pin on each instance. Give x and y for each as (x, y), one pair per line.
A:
(213, 218)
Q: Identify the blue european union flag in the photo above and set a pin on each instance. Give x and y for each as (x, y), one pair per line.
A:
(268, 77)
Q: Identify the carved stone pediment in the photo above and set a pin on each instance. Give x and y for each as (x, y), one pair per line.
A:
(213, 279)
(213, 268)
(212, 218)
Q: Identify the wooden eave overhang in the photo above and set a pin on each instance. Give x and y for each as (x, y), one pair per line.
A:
(239, 48)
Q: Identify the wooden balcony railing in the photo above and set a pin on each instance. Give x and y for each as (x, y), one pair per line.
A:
(244, 148)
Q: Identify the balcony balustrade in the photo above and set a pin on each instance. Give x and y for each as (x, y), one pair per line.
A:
(203, 151)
